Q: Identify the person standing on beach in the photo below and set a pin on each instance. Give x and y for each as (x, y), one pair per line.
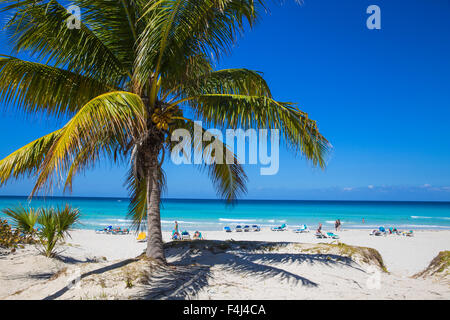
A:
(176, 227)
(337, 225)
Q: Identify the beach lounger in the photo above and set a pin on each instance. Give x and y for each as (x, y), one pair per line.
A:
(238, 228)
(283, 227)
(227, 229)
(320, 235)
(141, 237)
(375, 233)
(409, 233)
(120, 231)
(332, 235)
(302, 229)
(255, 228)
(116, 231)
(393, 230)
(185, 235)
(246, 228)
(108, 230)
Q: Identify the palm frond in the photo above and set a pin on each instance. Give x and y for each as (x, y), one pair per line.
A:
(27, 160)
(119, 115)
(178, 30)
(40, 27)
(36, 87)
(138, 189)
(243, 111)
(229, 179)
(116, 23)
(24, 218)
(226, 81)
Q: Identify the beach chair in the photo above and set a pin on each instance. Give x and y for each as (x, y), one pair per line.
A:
(332, 235)
(141, 237)
(283, 227)
(375, 233)
(409, 233)
(227, 229)
(185, 235)
(255, 228)
(116, 231)
(238, 228)
(320, 235)
(108, 230)
(302, 229)
(246, 228)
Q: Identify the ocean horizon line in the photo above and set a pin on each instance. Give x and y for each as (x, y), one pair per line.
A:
(224, 201)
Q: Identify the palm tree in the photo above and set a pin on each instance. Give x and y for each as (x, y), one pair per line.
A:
(127, 78)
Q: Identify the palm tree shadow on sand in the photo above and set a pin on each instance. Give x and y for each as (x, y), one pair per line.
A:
(192, 270)
(194, 263)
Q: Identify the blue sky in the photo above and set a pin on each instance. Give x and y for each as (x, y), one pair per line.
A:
(381, 97)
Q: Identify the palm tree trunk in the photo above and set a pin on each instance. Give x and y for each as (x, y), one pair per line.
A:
(155, 248)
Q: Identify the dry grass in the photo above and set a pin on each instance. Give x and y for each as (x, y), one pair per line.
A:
(438, 267)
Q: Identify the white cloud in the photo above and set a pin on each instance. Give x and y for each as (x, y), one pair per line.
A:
(370, 186)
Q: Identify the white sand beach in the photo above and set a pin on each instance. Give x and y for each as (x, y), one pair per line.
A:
(245, 265)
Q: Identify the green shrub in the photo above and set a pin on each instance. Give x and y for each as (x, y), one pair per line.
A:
(12, 239)
(55, 226)
(24, 218)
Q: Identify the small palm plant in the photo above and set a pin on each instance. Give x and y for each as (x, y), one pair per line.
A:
(55, 226)
(24, 219)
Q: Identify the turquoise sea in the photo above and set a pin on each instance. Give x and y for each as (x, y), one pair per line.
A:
(215, 214)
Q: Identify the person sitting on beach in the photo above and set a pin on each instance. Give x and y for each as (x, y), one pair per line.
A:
(197, 235)
(319, 229)
(176, 235)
